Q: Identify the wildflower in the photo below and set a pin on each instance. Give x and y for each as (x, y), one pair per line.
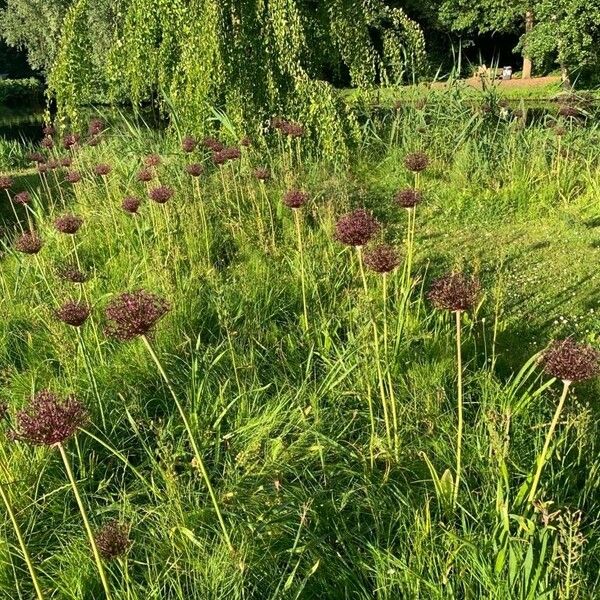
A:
(231, 153)
(130, 204)
(409, 197)
(262, 173)
(72, 273)
(37, 157)
(416, 161)
(291, 129)
(6, 182)
(42, 168)
(570, 112)
(152, 160)
(112, 540)
(161, 194)
(454, 292)
(48, 130)
(219, 158)
(53, 164)
(246, 142)
(145, 175)
(22, 198)
(73, 313)
(95, 127)
(356, 228)
(94, 141)
(570, 361)
(194, 169)
(48, 420)
(68, 224)
(73, 177)
(212, 144)
(66, 161)
(295, 198)
(382, 258)
(188, 144)
(47, 143)
(70, 140)
(102, 169)
(133, 314)
(29, 243)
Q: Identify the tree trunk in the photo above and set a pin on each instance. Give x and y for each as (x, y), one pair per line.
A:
(527, 62)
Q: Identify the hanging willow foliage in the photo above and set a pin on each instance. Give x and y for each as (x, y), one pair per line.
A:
(251, 58)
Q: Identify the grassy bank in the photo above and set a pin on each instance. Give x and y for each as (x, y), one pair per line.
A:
(321, 403)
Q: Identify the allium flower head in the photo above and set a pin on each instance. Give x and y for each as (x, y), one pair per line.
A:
(72, 273)
(416, 161)
(570, 361)
(73, 313)
(66, 161)
(29, 243)
(112, 540)
(130, 204)
(454, 292)
(73, 177)
(152, 160)
(194, 169)
(53, 164)
(212, 144)
(22, 198)
(48, 130)
(102, 169)
(6, 182)
(94, 141)
(559, 130)
(295, 198)
(68, 224)
(70, 140)
(48, 420)
(262, 173)
(409, 197)
(37, 157)
(382, 258)
(570, 112)
(246, 142)
(356, 228)
(95, 127)
(231, 153)
(133, 314)
(42, 168)
(188, 144)
(47, 142)
(145, 175)
(161, 194)
(291, 129)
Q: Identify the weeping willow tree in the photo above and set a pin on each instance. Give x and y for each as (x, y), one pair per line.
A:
(250, 58)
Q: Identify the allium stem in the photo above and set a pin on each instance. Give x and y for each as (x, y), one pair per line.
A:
(302, 273)
(543, 457)
(86, 522)
(203, 219)
(25, 552)
(197, 455)
(459, 389)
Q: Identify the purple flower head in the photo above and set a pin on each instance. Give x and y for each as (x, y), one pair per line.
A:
(29, 243)
(212, 144)
(95, 127)
(133, 314)
(454, 292)
(102, 169)
(246, 142)
(6, 182)
(382, 259)
(145, 175)
(356, 228)
(66, 161)
(73, 177)
(570, 361)
(130, 204)
(73, 313)
(262, 173)
(42, 168)
(68, 223)
(37, 157)
(48, 420)
(48, 130)
(231, 153)
(194, 169)
(570, 112)
(152, 160)
(112, 540)
(94, 141)
(161, 194)
(559, 130)
(188, 144)
(22, 198)
(408, 198)
(219, 158)
(291, 129)
(295, 198)
(70, 140)
(72, 273)
(416, 161)
(53, 164)
(47, 142)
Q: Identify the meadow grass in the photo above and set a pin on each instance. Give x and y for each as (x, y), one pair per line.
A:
(271, 378)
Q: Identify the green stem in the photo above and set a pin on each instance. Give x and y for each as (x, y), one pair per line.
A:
(197, 455)
(17, 529)
(543, 457)
(460, 405)
(86, 522)
(302, 274)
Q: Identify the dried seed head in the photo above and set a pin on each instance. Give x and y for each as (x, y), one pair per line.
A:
(569, 112)
(29, 243)
(70, 140)
(47, 142)
(262, 173)
(145, 175)
(66, 161)
(356, 228)
(112, 540)
(22, 198)
(73, 313)
(130, 204)
(42, 168)
(295, 198)
(53, 164)
(48, 420)
(48, 130)
(161, 194)
(95, 127)
(6, 182)
(212, 144)
(382, 258)
(68, 224)
(37, 157)
(188, 144)
(73, 177)
(570, 361)
(416, 161)
(454, 292)
(102, 170)
(194, 169)
(152, 160)
(409, 198)
(133, 314)
(71, 273)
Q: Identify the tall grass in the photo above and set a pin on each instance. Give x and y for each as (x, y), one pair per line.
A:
(276, 367)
